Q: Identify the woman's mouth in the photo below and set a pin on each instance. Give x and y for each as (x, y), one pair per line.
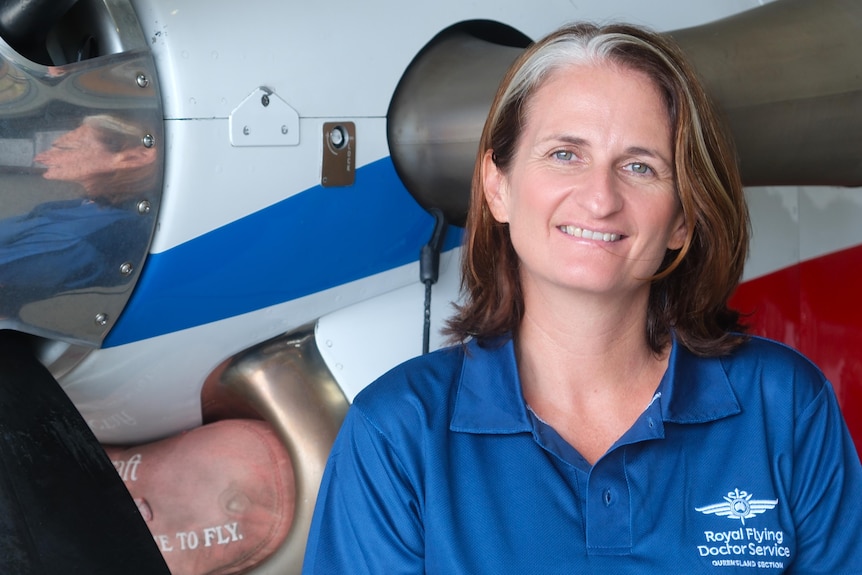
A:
(590, 234)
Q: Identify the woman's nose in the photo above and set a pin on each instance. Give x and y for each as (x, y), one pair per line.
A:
(599, 193)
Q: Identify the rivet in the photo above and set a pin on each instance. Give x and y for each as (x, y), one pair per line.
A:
(148, 140)
(101, 319)
(246, 131)
(144, 207)
(284, 130)
(141, 80)
(126, 268)
(264, 100)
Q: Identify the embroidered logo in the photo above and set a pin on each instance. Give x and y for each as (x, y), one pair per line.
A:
(739, 505)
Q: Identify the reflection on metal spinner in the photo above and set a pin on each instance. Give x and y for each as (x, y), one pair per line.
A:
(81, 150)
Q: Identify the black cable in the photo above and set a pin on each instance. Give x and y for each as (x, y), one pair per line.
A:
(429, 269)
(426, 331)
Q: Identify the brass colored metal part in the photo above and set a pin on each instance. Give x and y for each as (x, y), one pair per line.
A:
(286, 382)
(339, 154)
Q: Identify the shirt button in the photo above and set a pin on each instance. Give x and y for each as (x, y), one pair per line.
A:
(607, 497)
(651, 422)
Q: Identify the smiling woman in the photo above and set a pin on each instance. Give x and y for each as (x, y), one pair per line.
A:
(603, 410)
(589, 196)
(697, 159)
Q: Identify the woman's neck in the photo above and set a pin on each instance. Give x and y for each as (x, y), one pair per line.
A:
(600, 333)
(586, 367)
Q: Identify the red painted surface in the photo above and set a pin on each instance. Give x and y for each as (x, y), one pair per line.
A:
(816, 307)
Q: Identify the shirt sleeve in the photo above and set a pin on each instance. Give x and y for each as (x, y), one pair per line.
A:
(367, 519)
(827, 487)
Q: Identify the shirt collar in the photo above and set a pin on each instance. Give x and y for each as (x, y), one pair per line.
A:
(696, 389)
(489, 399)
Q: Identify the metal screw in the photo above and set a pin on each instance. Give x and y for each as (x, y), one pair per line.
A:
(284, 130)
(142, 80)
(144, 207)
(101, 319)
(264, 100)
(246, 131)
(126, 268)
(148, 140)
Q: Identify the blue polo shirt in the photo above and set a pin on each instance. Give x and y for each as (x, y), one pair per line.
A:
(741, 464)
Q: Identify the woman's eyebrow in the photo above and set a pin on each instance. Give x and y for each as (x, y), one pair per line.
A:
(649, 152)
(574, 140)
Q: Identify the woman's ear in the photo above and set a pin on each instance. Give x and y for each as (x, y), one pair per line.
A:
(135, 157)
(678, 233)
(496, 189)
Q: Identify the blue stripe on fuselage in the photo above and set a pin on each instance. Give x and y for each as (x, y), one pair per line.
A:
(311, 241)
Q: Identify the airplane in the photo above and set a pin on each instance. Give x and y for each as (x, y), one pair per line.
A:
(291, 226)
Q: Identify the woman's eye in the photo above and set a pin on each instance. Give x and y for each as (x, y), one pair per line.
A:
(639, 168)
(564, 155)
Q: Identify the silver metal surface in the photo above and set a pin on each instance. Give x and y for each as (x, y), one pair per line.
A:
(286, 382)
(436, 117)
(75, 167)
(787, 75)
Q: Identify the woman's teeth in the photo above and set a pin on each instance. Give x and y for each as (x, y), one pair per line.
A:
(589, 234)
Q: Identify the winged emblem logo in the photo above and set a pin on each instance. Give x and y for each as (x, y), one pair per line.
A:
(738, 505)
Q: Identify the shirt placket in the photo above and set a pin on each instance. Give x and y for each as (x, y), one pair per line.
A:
(608, 496)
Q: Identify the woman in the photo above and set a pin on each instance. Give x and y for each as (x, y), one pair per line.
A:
(81, 243)
(605, 412)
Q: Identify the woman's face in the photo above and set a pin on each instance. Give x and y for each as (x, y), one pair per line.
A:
(77, 156)
(589, 196)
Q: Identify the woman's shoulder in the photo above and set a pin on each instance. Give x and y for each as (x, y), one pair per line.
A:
(418, 390)
(774, 356)
(765, 367)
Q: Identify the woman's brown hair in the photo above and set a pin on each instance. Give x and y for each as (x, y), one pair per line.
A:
(690, 291)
